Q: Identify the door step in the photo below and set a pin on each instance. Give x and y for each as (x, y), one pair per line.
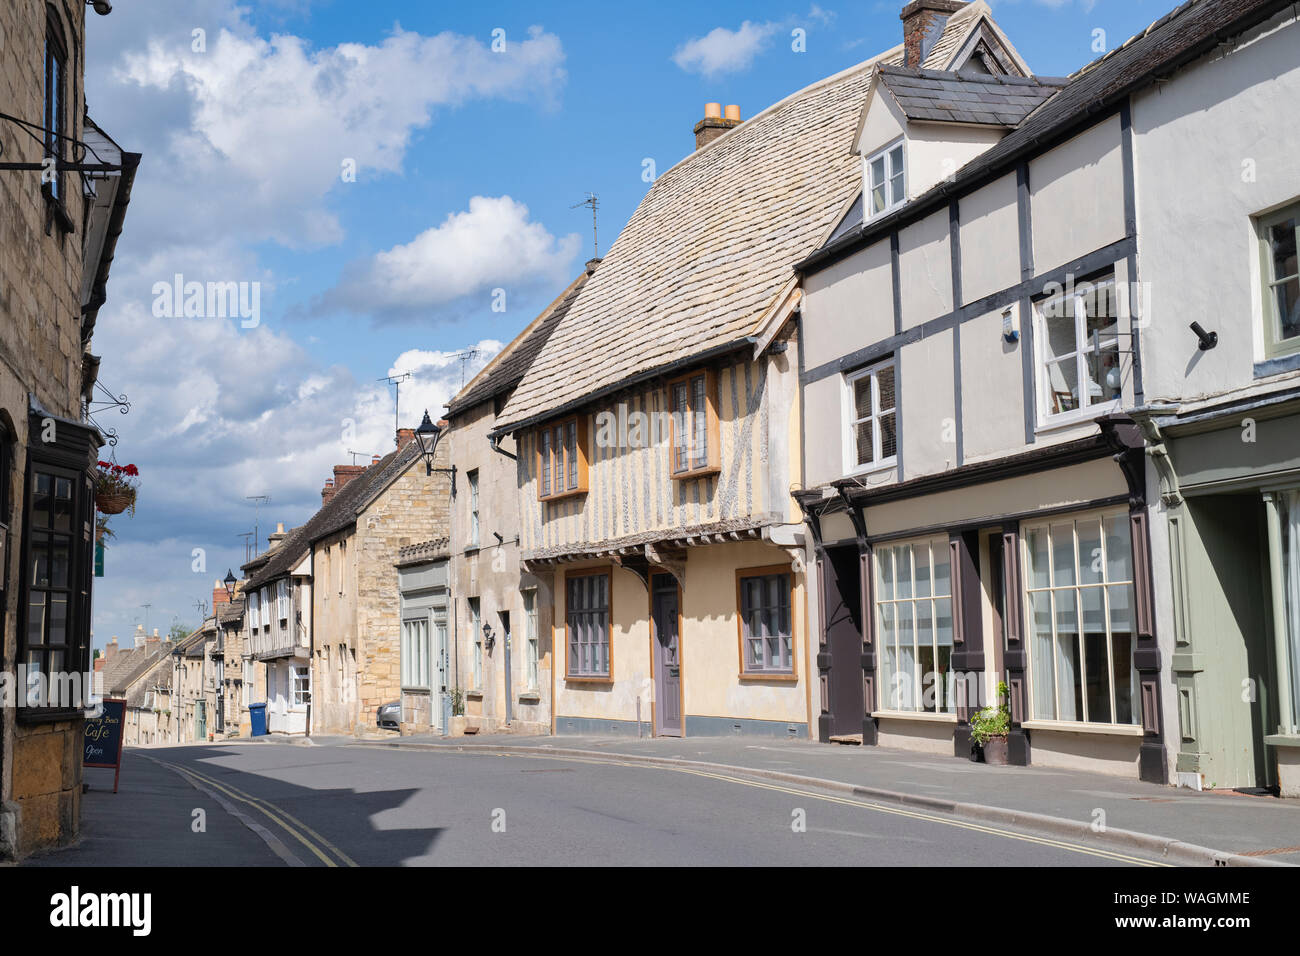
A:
(854, 739)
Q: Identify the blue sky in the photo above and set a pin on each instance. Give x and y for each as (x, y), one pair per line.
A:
(468, 162)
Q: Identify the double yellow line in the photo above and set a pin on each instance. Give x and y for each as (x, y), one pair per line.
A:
(286, 821)
(865, 805)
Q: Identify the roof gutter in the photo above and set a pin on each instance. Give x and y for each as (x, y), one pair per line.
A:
(865, 233)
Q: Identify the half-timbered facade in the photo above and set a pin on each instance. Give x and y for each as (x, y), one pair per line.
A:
(979, 370)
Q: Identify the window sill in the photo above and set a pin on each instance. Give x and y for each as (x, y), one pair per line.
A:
(704, 472)
(41, 715)
(1277, 364)
(780, 677)
(473, 695)
(1282, 740)
(917, 715)
(1079, 727)
(1082, 416)
(563, 495)
(591, 679)
(876, 467)
(530, 697)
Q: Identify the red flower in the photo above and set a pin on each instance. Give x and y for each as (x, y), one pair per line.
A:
(132, 470)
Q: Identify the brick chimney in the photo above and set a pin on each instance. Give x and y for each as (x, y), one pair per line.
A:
(345, 473)
(923, 22)
(715, 124)
(219, 595)
(327, 492)
(110, 648)
(404, 437)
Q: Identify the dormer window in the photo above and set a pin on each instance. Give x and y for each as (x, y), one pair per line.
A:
(885, 179)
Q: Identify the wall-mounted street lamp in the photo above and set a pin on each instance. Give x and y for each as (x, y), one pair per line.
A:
(229, 582)
(489, 639)
(428, 435)
(102, 7)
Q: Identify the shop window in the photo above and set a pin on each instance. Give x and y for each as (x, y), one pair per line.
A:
(914, 626)
(1081, 617)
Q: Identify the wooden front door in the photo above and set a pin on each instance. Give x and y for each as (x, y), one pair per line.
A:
(665, 608)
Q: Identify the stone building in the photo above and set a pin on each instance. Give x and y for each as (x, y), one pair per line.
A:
(355, 541)
(63, 213)
(141, 675)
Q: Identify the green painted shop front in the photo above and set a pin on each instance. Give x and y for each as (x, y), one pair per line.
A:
(1230, 480)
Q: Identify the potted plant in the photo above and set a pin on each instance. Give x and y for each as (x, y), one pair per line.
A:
(115, 488)
(989, 727)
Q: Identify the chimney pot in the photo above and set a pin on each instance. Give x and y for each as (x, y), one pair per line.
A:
(404, 437)
(714, 123)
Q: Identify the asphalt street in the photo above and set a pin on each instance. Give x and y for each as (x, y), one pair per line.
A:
(358, 805)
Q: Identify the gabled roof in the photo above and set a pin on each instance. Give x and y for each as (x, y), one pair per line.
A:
(940, 97)
(1180, 37)
(707, 252)
(336, 514)
(959, 37)
(422, 551)
(506, 370)
(129, 664)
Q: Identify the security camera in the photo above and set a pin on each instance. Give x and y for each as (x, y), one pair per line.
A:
(102, 7)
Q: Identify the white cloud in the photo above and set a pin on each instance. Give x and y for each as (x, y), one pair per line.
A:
(252, 133)
(725, 51)
(490, 245)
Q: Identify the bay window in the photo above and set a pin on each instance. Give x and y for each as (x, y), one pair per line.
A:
(914, 626)
(587, 615)
(1080, 603)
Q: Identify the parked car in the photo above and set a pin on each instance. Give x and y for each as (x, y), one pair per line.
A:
(389, 716)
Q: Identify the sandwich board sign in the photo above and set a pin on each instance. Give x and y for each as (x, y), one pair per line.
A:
(103, 740)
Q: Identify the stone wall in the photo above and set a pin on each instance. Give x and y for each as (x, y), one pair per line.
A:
(412, 509)
(40, 353)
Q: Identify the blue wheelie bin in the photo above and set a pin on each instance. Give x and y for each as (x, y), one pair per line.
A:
(257, 715)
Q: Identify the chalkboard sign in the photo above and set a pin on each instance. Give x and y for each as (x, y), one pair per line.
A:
(104, 738)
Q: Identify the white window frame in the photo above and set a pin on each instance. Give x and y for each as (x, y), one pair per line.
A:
(868, 192)
(1105, 585)
(531, 647)
(299, 685)
(930, 603)
(248, 682)
(264, 602)
(282, 599)
(476, 639)
(1082, 349)
(415, 653)
(1274, 345)
(851, 421)
(254, 611)
(472, 478)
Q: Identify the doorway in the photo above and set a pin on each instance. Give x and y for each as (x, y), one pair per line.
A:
(665, 638)
(842, 581)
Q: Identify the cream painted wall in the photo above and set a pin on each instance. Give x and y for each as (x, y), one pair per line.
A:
(1210, 156)
(993, 404)
(1076, 194)
(935, 151)
(848, 306)
(929, 418)
(990, 239)
(710, 646)
(925, 269)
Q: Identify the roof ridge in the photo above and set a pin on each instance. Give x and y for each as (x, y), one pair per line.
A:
(1177, 11)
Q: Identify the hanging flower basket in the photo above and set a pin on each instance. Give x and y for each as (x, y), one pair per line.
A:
(114, 504)
(115, 488)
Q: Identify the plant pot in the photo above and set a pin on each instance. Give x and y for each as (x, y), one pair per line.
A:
(114, 504)
(995, 751)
